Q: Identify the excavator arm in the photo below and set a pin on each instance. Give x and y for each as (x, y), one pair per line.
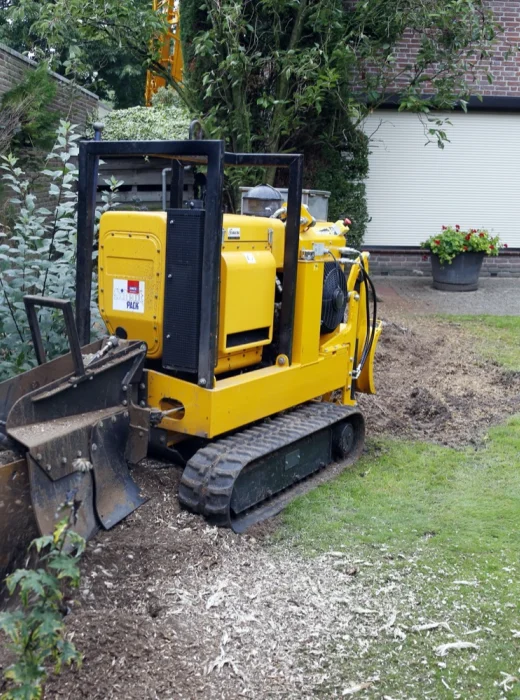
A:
(171, 51)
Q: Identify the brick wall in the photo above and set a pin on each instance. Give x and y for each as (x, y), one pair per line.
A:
(406, 262)
(72, 103)
(504, 67)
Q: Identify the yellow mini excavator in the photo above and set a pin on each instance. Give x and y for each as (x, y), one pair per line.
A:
(237, 345)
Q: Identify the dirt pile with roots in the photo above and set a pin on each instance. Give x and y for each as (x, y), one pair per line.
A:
(432, 385)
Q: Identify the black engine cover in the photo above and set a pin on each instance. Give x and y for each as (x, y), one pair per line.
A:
(183, 289)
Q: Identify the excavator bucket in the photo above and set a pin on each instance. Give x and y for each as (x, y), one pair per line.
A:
(69, 429)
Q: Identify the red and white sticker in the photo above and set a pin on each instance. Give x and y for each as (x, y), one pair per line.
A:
(128, 295)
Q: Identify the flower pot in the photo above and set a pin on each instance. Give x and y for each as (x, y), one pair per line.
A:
(461, 276)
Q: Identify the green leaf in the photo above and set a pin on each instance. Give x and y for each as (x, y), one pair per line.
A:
(9, 623)
(66, 565)
(50, 624)
(68, 653)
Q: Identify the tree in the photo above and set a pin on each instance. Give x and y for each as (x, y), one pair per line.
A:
(119, 77)
(301, 75)
(275, 71)
(104, 46)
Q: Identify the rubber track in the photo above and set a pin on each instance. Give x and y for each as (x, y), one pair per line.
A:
(208, 479)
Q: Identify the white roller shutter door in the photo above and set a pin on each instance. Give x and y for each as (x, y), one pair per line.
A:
(413, 189)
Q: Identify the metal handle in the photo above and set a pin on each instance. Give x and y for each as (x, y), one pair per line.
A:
(196, 124)
(31, 302)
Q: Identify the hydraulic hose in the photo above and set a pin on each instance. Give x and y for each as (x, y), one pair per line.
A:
(371, 322)
(371, 326)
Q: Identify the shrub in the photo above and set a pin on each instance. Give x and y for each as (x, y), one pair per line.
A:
(166, 119)
(27, 120)
(38, 252)
(341, 168)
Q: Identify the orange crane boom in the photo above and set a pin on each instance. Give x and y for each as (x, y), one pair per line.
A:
(171, 50)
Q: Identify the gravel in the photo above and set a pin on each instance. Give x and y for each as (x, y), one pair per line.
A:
(497, 296)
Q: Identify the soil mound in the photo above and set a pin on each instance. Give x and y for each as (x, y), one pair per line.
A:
(432, 385)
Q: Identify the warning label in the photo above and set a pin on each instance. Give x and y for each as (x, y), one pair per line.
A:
(128, 295)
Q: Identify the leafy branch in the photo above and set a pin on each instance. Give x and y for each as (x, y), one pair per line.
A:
(36, 630)
(38, 250)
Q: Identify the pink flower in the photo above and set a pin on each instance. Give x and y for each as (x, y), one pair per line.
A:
(457, 228)
(505, 245)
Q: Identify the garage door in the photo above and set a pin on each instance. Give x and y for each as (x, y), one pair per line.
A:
(413, 189)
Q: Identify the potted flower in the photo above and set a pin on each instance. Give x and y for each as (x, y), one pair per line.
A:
(457, 257)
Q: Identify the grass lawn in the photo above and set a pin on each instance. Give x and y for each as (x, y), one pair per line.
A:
(444, 524)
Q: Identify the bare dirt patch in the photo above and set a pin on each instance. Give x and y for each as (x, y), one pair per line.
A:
(432, 385)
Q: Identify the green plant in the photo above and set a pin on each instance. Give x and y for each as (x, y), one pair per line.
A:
(36, 630)
(10, 120)
(165, 120)
(341, 168)
(453, 241)
(167, 97)
(29, 101)
(38, 252)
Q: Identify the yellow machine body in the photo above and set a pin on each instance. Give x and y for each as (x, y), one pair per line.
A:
(132, 250)
(216, 322)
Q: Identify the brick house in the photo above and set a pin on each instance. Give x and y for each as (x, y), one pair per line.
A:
(413, 189)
